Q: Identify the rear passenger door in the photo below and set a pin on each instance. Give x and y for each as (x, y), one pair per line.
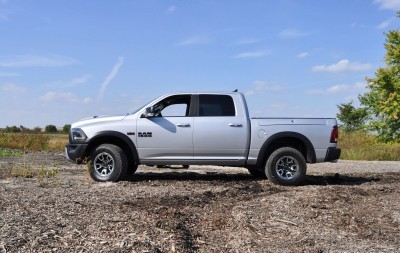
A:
(219, 133)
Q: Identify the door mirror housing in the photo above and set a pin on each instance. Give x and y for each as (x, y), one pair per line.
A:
(149, 113)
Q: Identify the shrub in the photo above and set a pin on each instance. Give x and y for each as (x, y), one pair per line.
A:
(50, 129)
(66, 128)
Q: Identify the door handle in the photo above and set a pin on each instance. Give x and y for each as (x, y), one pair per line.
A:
(183, 125)
(235, 125)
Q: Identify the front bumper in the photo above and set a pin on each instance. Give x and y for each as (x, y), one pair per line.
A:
(332, 154)
(75, 152)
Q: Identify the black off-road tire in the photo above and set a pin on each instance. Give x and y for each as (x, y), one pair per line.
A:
(286, 166)
(108, 163)
(132, 168)
(257, 172)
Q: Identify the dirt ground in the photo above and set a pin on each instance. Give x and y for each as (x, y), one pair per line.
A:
(344, 207)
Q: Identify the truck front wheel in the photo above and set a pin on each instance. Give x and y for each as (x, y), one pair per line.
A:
(108, 163)
(286, 166)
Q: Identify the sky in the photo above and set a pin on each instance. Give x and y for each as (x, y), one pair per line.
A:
(64, 60)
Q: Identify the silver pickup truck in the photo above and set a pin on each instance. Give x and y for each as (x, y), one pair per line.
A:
(203, 129)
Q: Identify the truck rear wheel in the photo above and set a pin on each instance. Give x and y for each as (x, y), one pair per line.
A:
(108, 163)
(286, 166)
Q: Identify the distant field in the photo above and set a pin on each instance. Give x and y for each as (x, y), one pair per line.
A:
(355, 146)
(34, 141)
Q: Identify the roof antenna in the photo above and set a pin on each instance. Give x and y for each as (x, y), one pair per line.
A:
(235, 90)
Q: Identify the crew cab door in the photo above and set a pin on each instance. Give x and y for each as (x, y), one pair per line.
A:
(168, 134)
(220, 134)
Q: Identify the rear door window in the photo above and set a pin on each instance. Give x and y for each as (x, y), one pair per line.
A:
(216, 106)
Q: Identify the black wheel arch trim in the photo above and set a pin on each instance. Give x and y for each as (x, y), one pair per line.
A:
(311, 156)
(118, 135)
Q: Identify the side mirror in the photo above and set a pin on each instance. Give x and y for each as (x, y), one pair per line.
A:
(150, 112)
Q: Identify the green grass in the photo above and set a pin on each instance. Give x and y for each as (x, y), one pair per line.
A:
(364, 146)
(9, 153)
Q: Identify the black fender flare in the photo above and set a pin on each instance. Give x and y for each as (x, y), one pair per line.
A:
(99, 138)
(311, 156)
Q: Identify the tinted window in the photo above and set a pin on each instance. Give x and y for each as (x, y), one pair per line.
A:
(216, 105)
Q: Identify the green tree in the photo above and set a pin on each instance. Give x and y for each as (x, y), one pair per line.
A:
(66, 128)
(352, 119)
(12, 129)
(383, 98)
(50, 129)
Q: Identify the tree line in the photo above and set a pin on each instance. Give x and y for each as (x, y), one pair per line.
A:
(379, 111)
(47, 129)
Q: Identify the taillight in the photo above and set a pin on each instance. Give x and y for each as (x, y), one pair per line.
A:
(335, 134)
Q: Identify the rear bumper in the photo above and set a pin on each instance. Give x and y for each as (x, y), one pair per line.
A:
(332, 154)
(75, 152)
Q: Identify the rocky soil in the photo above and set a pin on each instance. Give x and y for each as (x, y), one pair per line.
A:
(344, 207)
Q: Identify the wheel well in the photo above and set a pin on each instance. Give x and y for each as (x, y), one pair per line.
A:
(115, 141)
(292, 142)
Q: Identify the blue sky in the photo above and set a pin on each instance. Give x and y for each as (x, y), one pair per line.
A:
(64, 60)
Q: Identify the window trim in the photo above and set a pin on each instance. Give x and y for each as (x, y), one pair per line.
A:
(192, 105)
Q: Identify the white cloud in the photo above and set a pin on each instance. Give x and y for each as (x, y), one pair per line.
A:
(110, 77)
(259, 86)
(250, 93)
(10, 87)
(388, 4)
(343, 66)
(302, 55)
(251, 54)
(37, 61)
(293, 33)
(52, 96)
(87, 100)
(339, 89)
(194, 40)
(78, 80)
(64, 97)
(172, 8)
(385, 24)
(262, 85)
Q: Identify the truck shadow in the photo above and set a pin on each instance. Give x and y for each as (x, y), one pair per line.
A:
(328, 179)
(337, 179)
(190, 176)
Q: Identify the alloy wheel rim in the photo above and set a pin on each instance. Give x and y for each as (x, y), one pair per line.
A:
(287, 167)
(104, 164)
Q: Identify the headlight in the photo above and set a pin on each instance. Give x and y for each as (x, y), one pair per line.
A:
(77, 134)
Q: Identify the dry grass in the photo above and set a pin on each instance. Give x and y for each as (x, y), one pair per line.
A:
(364, 146)
(33, 141)
(57, 141)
